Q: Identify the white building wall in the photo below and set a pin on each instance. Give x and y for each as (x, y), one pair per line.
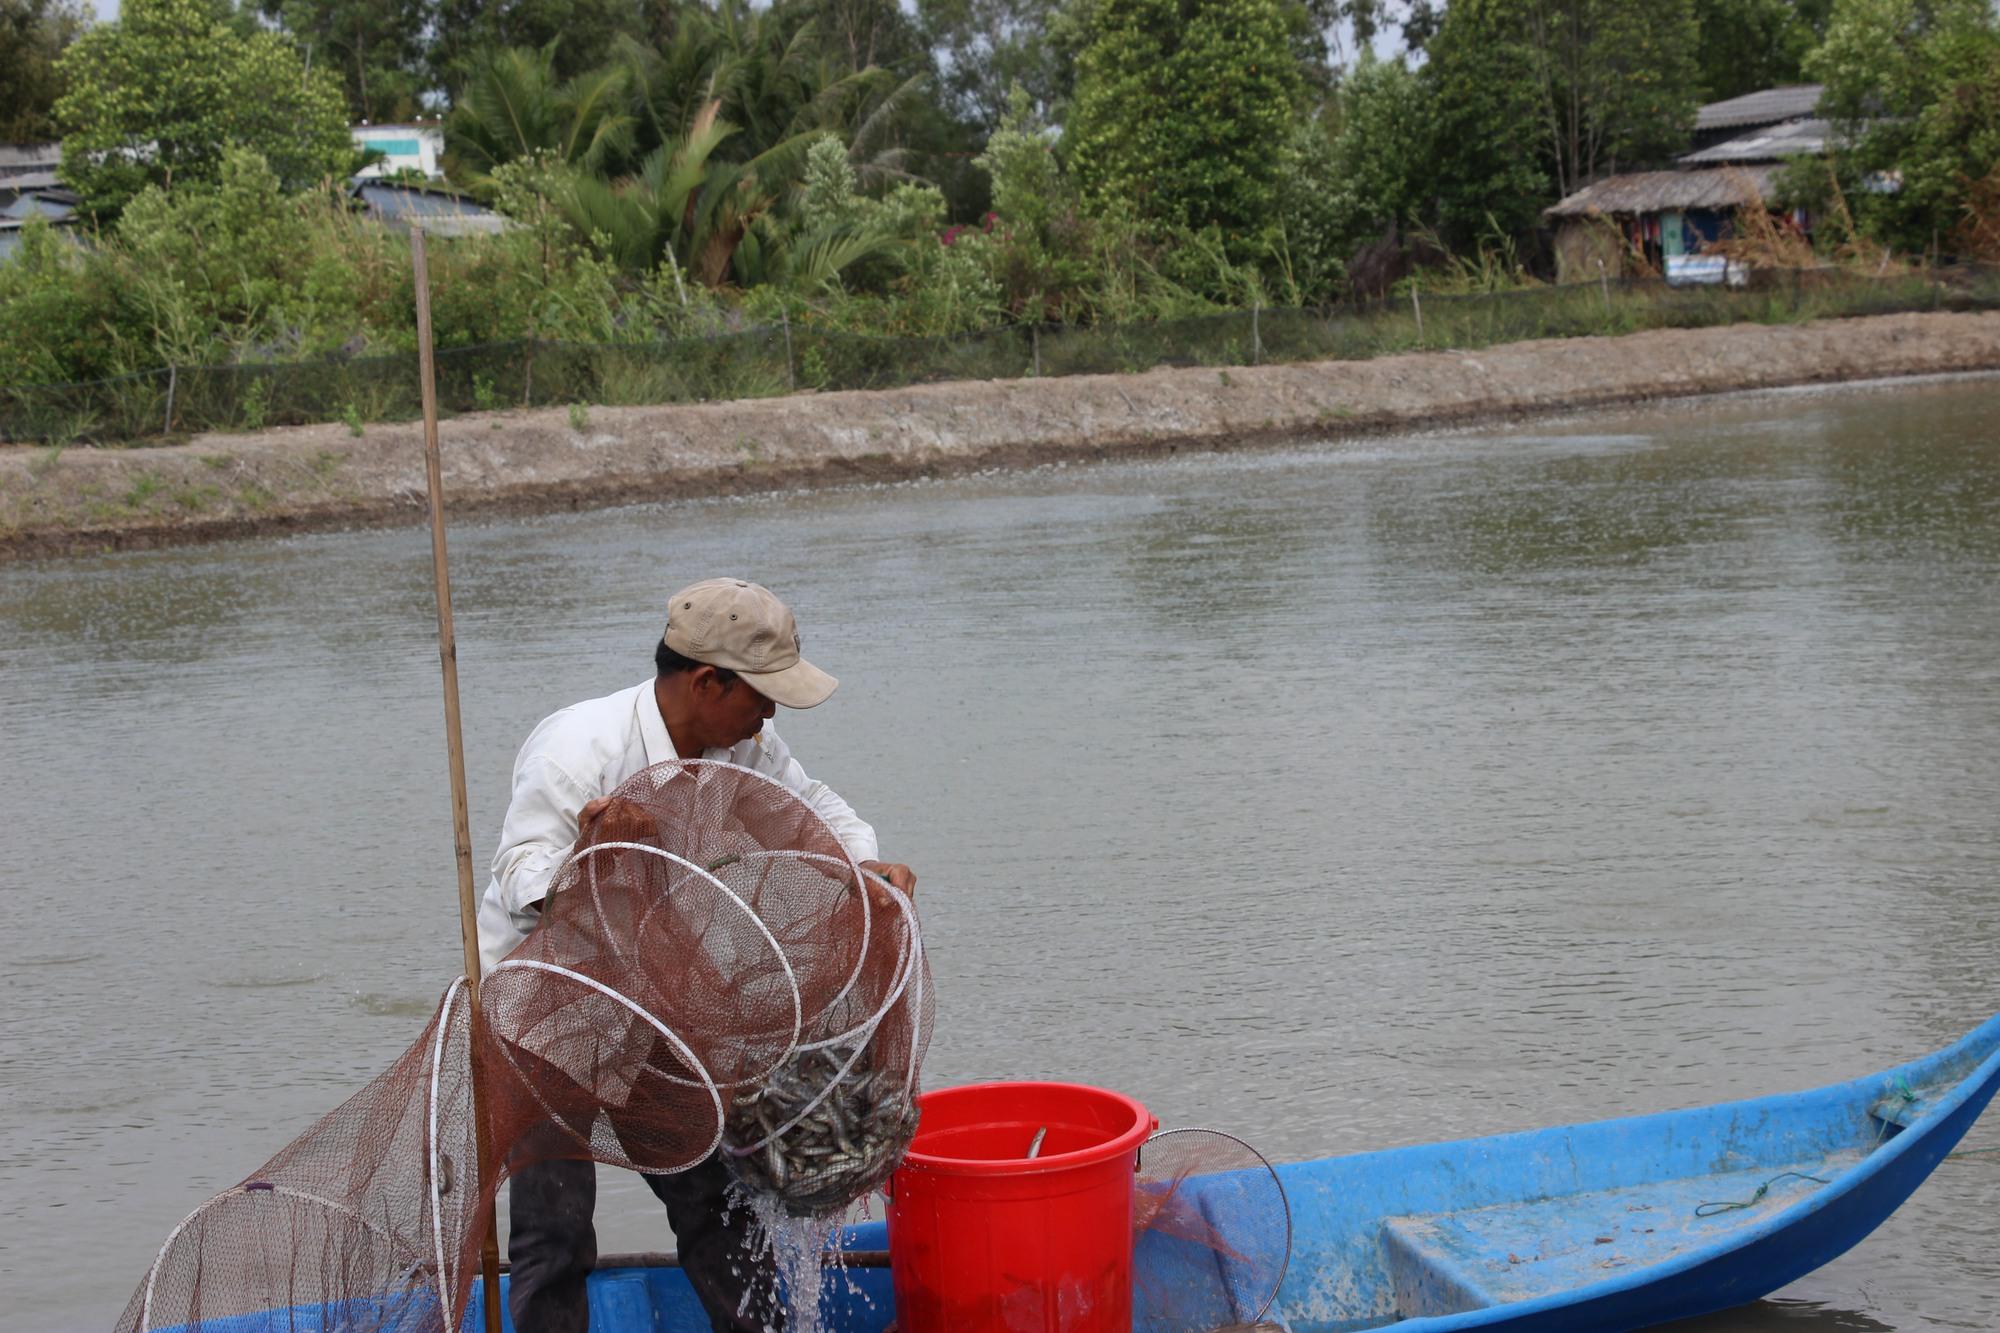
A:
(407, 146)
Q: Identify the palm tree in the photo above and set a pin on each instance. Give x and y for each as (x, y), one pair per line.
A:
(774, 252)
(769, 69)
(716, 219)
(682, 206)
(693, 151)
(512, 106)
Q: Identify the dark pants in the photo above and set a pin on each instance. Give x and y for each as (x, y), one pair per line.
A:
(552, 1247)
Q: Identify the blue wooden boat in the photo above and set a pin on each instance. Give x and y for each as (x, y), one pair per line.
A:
(1593, 1228)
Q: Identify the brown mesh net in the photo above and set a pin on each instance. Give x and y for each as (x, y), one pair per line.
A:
(1212, 1234)
(711, 971)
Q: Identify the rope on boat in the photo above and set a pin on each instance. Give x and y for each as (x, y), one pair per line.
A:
(1732, 1205)
(1902, 1090)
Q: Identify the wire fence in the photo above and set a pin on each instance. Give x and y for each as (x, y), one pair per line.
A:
(794, 356)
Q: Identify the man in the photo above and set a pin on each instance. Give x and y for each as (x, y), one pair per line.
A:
(729, 657)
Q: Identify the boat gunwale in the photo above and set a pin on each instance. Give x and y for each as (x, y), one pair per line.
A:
(1985, 1072)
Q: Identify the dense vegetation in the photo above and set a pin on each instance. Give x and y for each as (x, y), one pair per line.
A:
(682, 166)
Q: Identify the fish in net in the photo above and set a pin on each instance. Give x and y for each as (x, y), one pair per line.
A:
(711, 968)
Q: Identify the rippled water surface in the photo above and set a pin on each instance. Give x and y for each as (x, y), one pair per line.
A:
(1341, 796)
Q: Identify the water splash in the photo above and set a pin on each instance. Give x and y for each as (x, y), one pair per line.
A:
(797, 1248)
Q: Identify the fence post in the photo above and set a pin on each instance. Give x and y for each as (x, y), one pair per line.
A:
(675, 265)
(1604, 286)
(1417, 306)
(791, 376)
(1035, 342)
(173, 381)
(528, 376)
(1256, 333)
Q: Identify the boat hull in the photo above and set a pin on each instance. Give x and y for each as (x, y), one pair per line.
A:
(1595, 1228)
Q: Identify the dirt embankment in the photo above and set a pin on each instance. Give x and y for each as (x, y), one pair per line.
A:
(219, 486)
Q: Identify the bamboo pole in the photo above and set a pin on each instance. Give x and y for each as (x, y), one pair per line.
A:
(454, 737)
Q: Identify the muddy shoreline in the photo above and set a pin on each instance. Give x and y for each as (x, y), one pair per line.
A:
(223, 486)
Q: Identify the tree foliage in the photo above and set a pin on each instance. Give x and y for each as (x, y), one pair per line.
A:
(1616, 80)
(1750, 44)
(991, 46)
(33, 36)
(1914, 88)
(1380, 150)
(1587, 87)
(1482, 81)
(158, 97)
(1182, 111)
(677, 165)
(585, 32)
(376, 48)
(766, 71)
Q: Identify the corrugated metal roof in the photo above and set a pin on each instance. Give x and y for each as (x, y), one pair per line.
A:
(438, 212)
(1766, 106)
(10, 233)
(1658, 191)
(1768, 145)
(28, 205)
(16, 158)
(395, 200)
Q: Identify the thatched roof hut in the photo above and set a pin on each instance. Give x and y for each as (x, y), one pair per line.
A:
(1648, 221)
(1716, 188)
(1662, 216)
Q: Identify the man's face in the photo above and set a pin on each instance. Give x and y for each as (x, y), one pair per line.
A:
(731, 712)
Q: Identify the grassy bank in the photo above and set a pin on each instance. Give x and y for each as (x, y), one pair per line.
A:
(55, 499)
(168, 405)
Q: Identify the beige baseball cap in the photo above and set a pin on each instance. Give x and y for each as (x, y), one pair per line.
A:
(740, 625)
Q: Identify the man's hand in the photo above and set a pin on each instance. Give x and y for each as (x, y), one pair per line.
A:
(611, 819)
(900, 876)
(607, 819)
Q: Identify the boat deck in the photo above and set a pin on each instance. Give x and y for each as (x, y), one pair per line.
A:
(1448, 1263)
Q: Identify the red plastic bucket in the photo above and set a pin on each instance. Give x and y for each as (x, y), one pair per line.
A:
(983, 1237)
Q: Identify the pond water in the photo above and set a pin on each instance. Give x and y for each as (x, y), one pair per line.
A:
(1339, 795)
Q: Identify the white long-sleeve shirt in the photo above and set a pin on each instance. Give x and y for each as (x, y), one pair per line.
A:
(586, 751)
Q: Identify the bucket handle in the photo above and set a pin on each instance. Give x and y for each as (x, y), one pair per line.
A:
(1139, 1153)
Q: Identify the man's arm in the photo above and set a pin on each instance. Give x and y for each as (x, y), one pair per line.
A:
(539, 832)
